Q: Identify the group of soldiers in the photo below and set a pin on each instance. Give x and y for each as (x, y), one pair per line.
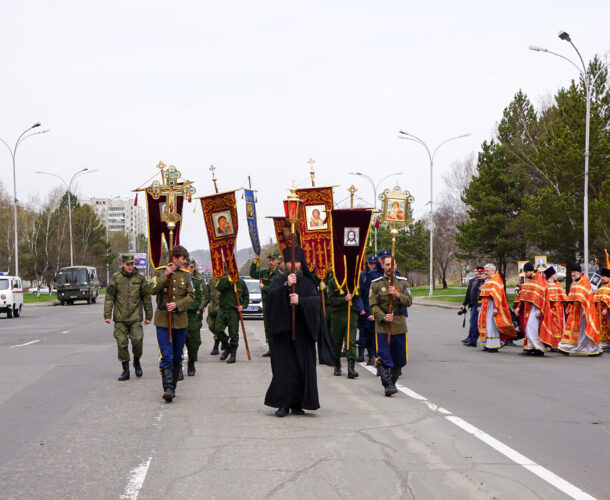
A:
(382, 331)
(543, 315)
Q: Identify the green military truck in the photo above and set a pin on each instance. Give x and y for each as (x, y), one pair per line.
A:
(77, 283)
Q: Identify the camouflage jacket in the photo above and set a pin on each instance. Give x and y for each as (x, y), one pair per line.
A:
(379, 303)
(195, 306)
(126, 295)
(227, 293)
(211, 296)
(182, 294)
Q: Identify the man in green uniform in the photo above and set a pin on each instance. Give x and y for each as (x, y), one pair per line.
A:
(126, 295)
(228, 315)
(392, 356)
(337, 303)
(193, 327)
(265, 277)
(211, 296)
(175, 276)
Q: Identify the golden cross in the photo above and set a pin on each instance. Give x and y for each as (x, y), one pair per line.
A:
(311, 161)
(213, 170)
(352, 189)
(171, 189)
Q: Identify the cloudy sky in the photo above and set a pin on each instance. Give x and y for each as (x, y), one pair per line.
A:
(258, 88)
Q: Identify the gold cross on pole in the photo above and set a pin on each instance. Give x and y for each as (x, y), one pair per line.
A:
(171, 189)
(213, 170)
(352, 190)
(311, 161)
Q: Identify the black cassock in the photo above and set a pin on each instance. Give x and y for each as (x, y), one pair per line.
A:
(293, 362)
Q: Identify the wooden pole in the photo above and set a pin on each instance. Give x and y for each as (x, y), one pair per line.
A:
(391, 307)
(241, 320)
(169, 286)
(294, 287)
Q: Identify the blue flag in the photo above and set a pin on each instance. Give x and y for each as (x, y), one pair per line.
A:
(251, 217)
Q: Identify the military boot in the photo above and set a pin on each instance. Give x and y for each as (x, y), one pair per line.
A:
(176, 377)
(351, 370)
(226, 350)
(232, 350)
(167, 379)
(180, 372)
(360, 358)
(214, 350)
(386, 380)
(125, 374)
(337, 372)
(137, 366)
(371, 360)
(395, 373)
(191, 367)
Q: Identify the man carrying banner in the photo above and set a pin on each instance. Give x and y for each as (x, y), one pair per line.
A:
(193, 327)
(602, 302)
(581, 333)
(228, 315)
(530, 307)
(265, 277)
(182, 297)
(337, 304)
(392, 356)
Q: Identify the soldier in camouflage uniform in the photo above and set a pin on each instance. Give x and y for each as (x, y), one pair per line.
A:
(393, 356)
(337, 304)
(210, 300)
(193, 335)
(228, 314)
(126, 295)
(182, 297)
(266, 276)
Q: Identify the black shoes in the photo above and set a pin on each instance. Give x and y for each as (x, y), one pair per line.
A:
(470, 344)
(281, 412)
(337, 371)
(214, 350)
(360, 357)
(232, 351)
(267, 354)
(167, 377)
(191, 368)
(137, 367)
(297, 411)
(351, 370)
(180, 373)
(125, 374)
(226, 350)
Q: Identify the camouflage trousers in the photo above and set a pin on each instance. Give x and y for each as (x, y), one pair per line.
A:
(338, 333)
(211, 322)
(125, 331)
(193, 336)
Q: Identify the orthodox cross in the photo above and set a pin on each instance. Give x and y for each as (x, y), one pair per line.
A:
(352, 190)
(311, 161)
(213, 170)
(171, 189)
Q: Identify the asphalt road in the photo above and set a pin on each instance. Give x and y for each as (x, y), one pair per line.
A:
(467, 424)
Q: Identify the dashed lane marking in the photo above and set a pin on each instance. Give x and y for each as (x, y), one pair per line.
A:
(22, 345)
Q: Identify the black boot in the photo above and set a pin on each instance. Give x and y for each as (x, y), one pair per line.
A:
(137, 366)
(337, 372)
(180, 372)
(371, 360)
(167, 379)
(232, 350)
(214, 350)
(226, 350)
(125, 374)
(351, 370)
(395, 373)
(268, 353)
(360, 358)
(386, 380)
(176, 377)
(191, 367)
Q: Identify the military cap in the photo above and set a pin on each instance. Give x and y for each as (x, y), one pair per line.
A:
(371, 260)
(127, 258)
(192, 262)
(384, 253)
(274, 255)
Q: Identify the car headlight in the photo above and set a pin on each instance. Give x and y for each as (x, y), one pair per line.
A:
(2, 296)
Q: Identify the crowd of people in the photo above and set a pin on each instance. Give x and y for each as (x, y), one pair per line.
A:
(543, 315)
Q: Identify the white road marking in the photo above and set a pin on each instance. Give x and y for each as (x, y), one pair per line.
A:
(136, 480)
(543, 473)
(27, 343)
(66, 331)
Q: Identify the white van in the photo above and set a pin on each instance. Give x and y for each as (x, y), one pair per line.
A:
(11, 295)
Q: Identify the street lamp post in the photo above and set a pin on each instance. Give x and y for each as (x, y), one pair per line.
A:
(13, 152)
(375, 186)
(588, 81)
(411, 137)
(69, 188)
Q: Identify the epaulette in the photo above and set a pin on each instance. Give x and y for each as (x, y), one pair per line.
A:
(401, 278)
(377, 279)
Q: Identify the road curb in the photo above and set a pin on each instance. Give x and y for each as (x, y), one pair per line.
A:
(100, 298)
(431, 303)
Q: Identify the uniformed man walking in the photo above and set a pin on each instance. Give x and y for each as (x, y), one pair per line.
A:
(211, 296)
(228, 315)
(266, 276)
(126, 295)
(393, 356)
(182, 297)
(193, 327)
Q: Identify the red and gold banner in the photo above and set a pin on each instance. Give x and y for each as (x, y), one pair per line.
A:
(350, 230)
(281, 226)
(314, 227)
(581, 300)
(220, 216)
(157, 229)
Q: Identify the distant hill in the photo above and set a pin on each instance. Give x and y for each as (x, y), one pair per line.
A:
(203, 257)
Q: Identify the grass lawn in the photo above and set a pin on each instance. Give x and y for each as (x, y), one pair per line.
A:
(422, 291)
(28, 298)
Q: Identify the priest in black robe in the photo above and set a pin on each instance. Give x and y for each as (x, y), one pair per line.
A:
(294, 386)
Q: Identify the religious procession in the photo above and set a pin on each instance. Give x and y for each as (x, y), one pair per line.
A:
(323, 298)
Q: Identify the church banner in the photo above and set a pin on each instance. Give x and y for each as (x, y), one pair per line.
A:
(281, 227)
(314, 227)
(251, 218)
(157, 229)
(220, 216)
(350, 230)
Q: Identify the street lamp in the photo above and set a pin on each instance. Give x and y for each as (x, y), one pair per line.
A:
(69, 188)
(375, 186)
(411, 137)
(588, 81)
(13, 152)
